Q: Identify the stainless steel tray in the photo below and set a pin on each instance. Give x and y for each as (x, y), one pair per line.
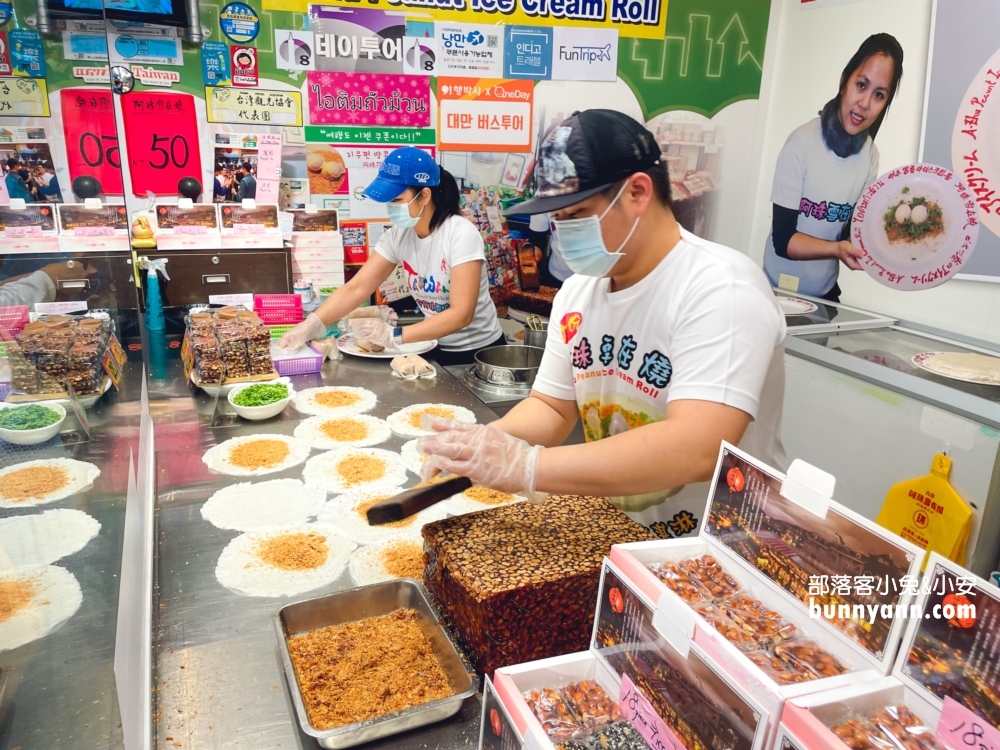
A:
(356, 604)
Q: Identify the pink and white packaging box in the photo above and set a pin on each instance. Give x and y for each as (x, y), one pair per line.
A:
(309, 267)
(320, 279)
(309, 254)
(71, 244)
(805, 486)
(47, 243)
(512, 681)
(320, 240)
(269, 239)
(208, 241)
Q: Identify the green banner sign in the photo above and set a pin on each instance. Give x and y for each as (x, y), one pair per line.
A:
(373, 135)
(712, 56)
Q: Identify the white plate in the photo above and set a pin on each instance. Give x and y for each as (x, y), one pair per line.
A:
(796, 306)
(217, 460)
(926, 264)
(920, 360)
(400, 420)
(346, 344)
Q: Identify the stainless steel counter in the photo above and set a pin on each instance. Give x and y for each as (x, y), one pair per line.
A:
(58, 692)
(217, 667)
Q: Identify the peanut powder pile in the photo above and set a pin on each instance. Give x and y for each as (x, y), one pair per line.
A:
(361, 469)
(404, 560)
(34, 483)
(14, 596)
(362, 510)
(333, 399)
(259, 454)
(294, 551)
(344, 430)
(434, 411)
(488, 497)
(365, 669)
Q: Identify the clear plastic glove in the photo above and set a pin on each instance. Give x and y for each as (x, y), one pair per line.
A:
(484, 454)
(386, 313)
(373, 331)
(309, 329)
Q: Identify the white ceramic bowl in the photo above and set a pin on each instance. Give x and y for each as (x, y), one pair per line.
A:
(33, 437)
(257, 413)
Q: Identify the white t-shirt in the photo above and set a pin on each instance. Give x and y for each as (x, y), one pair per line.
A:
(428, 262)
(703, 325)
(823, 188)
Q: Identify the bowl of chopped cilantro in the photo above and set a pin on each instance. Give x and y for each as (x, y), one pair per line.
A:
(257, 401)
(30, 424)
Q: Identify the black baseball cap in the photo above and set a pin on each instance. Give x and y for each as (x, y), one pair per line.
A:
(586, 153)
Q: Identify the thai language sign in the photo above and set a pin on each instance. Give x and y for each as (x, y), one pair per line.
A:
(369, 99)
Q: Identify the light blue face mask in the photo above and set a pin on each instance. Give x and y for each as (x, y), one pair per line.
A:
(582, 244)
(399, 215)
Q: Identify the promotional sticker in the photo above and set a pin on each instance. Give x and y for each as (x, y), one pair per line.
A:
(258, 107)
(528, 53)
(23, 97)
(584, 54)
(85, 47)
(129, 48)
(420, 55)
(470, 50)
(4, 55)
(294, 50)
(5, 12)
(215, 64)
(244, 66)
(356, 41)
(239, 22)
(26, 54)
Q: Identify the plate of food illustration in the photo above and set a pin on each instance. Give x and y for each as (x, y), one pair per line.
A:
(914, 227)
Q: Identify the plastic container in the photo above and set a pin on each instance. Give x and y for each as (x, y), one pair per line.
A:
(277, 309)
(300, 362)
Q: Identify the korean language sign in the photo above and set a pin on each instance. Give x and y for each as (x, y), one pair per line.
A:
(484, 114)
(392, 100)
(256, 107)
(645, 19)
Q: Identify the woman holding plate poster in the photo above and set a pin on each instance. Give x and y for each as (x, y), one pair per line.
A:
(822, 171)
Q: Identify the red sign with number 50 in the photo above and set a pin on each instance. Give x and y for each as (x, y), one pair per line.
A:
(161, 131)
(92, 137)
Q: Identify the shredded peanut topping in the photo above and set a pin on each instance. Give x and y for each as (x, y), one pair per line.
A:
(434, 411)
(15, 595)
(34, 483)
(404, 560)
(336, 398)
(361, 469)
(294, 551)
(259, 454)
(344, 430)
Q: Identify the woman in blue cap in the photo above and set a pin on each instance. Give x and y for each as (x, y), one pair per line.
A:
(443, 257)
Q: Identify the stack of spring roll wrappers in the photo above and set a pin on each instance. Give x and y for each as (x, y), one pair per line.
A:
(519, 582)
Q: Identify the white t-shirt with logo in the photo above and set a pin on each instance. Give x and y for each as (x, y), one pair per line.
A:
(703, 325)
(428, 262)
(823, 188)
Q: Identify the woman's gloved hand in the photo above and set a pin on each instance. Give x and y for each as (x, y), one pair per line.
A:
(373, 331)
(309, 329)
(484, 454)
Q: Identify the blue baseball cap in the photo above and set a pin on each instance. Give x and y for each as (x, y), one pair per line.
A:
(402, 168)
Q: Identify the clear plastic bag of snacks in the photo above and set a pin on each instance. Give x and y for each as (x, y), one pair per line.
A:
(810, 656)
(591, 704)
(554, 714)
(728, 628)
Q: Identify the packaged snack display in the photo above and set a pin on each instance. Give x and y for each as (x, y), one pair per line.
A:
(591, 704)
(554, 714)
(707, 571)
(809, 656)
(228, 344)
(59, 350)
(678, 581)
(619, 736)
(893, 728)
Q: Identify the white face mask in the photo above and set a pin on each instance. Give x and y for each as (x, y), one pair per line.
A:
(399, 214)
(581, 243)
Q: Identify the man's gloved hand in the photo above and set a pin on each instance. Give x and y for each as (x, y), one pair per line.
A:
(374, 331)
(484, 454)
(310, 328)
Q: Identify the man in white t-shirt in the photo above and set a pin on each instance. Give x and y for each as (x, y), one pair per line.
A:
(664, 346)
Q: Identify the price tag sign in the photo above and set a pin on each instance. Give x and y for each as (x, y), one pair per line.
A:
(112, 368)
(20, 233)
(191, 230)
(161, 131)
(641, 714)
(92, 137)
(960, 729)
(248, 228)
(93, 231)
(116, 350)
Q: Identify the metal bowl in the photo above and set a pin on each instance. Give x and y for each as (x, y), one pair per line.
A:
(537, 337)
(357, 604)
(509, 365)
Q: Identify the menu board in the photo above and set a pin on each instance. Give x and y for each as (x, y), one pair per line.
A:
(81, 221)
(41, 218)
(198, 219)
(324, 220)
(695, 702)
(820, 561)
(235, 216)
